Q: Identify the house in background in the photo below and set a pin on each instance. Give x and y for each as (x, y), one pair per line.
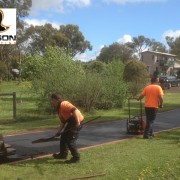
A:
(176, 66)
(159, 63)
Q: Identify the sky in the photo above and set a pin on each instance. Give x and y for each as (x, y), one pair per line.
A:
(104, 22)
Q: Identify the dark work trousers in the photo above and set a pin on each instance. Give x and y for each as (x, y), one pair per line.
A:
(68, 139)
(150, 118)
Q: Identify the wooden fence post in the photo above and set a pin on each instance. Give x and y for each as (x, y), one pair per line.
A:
(14, 101)
(14, 105)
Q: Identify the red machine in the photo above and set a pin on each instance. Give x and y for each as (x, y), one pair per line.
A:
(135, 124)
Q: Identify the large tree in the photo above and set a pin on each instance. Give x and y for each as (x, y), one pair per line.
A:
(68, 37)
(39, 37)
(139, 44)
(76, 40)
(115, 51)
(142, 43)
(157, 46)
(174, 45)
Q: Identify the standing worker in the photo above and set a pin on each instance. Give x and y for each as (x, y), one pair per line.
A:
(70, 123)
(154, 100)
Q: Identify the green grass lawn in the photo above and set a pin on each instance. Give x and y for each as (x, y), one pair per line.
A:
(134, 159)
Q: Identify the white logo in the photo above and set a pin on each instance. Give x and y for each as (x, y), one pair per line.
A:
(8, 26)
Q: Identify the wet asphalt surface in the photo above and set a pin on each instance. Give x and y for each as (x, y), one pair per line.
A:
(90, 135)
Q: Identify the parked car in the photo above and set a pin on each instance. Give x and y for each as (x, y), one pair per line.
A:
(169, 81)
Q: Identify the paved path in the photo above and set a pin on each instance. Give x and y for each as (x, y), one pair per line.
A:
(91, 134)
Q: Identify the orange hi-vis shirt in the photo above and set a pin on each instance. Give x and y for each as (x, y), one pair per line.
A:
(152, 93)
(66, 111)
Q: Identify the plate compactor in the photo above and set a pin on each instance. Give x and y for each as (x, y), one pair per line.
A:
(135, 124)
(5, 149)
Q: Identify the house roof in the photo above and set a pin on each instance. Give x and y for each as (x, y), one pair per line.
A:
(156, 52)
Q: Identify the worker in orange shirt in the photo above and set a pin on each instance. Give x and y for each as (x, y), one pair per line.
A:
(154, 100)
(70, 123)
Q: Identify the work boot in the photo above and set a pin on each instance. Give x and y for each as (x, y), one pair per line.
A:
(72, 160)
(59, 156)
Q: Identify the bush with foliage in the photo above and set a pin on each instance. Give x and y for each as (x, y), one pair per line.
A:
(114, 88)
(56, 71)
(136, 74)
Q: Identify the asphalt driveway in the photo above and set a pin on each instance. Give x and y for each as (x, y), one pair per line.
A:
(90, 135)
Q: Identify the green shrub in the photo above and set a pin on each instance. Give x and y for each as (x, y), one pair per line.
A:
(56, 71)
(136, 74)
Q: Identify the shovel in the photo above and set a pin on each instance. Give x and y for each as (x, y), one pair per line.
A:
(54, 138)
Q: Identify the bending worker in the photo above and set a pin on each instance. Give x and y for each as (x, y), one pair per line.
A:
(154, 100)
(70, 123)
